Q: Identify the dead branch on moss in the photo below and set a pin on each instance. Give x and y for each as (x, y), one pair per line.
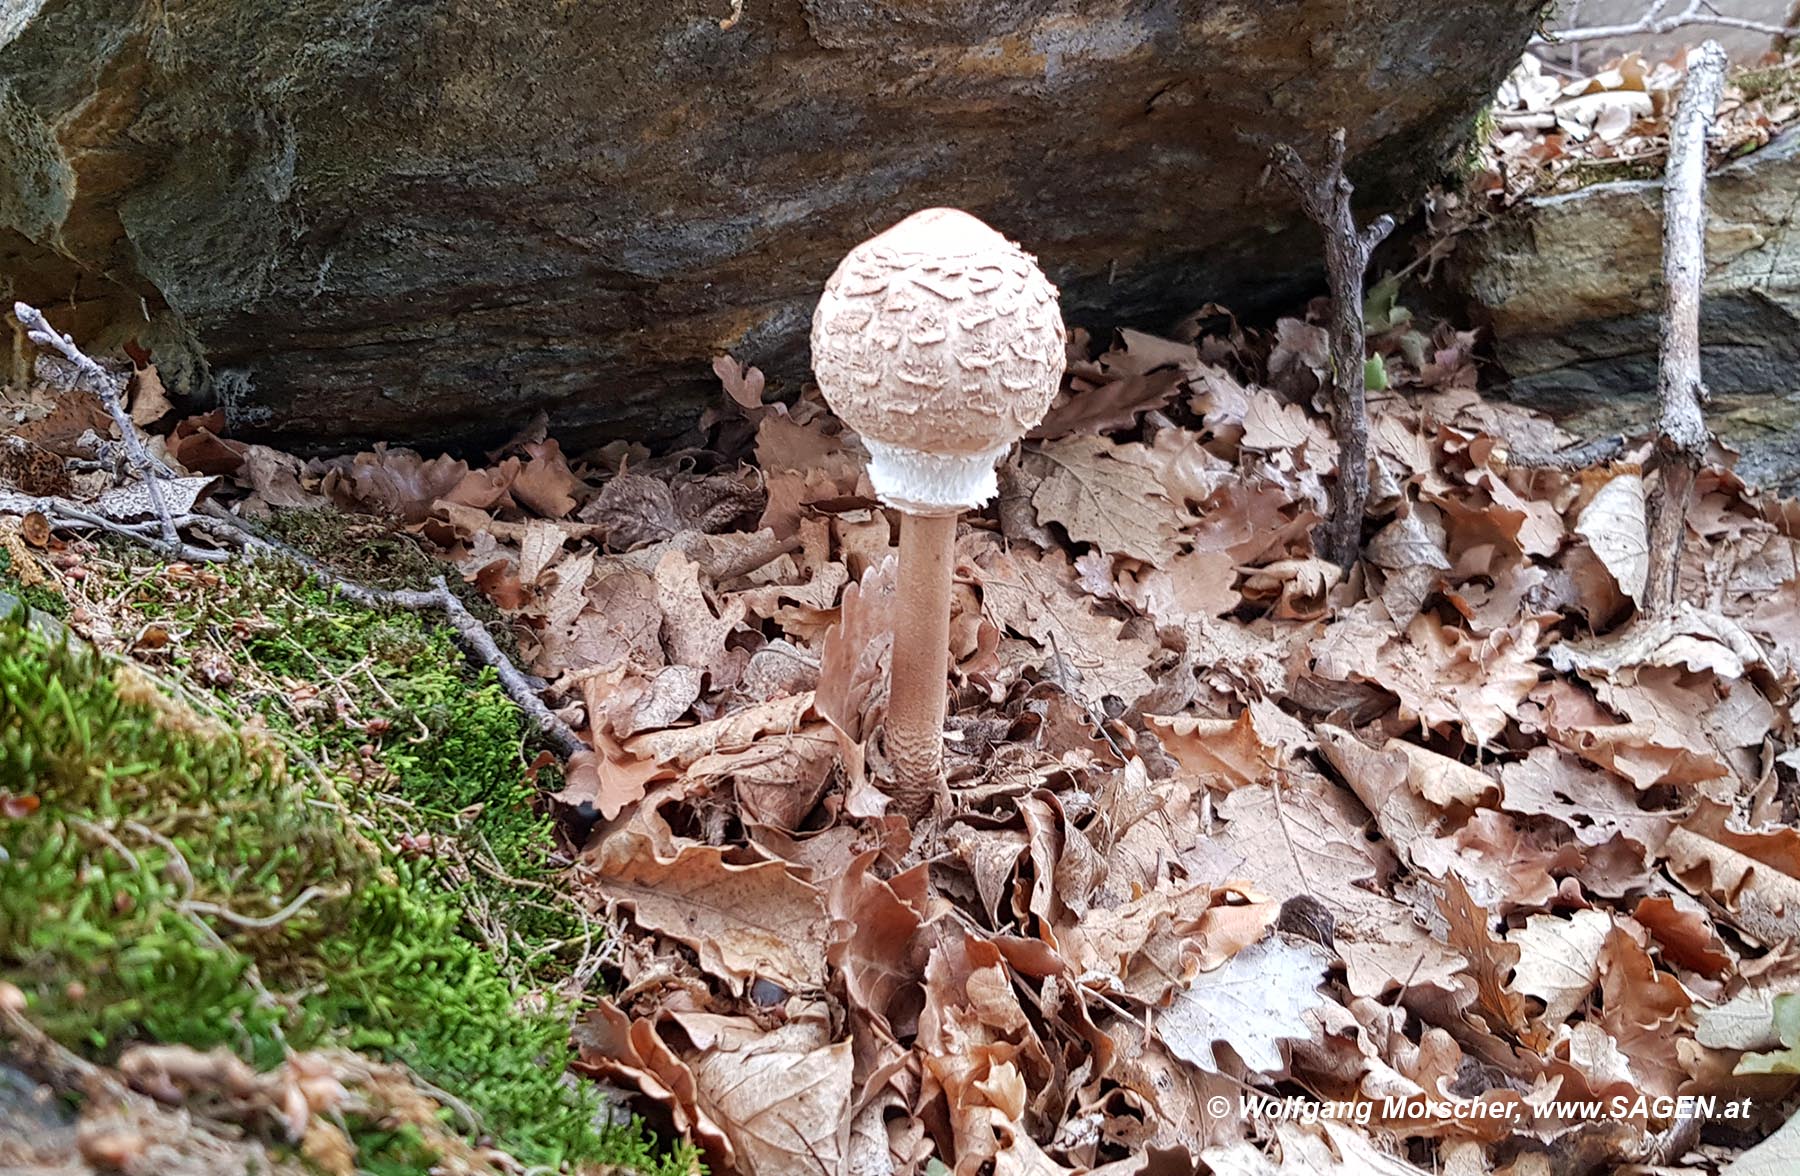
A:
(470, 632)
(65, 515)
(107, 388)
(1326, 197)
(1655, 24)
(1682, 433)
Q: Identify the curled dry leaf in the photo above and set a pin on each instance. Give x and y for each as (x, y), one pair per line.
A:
(1614, 525)
(744, 922)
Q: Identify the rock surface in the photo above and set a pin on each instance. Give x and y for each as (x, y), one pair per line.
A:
(1572, 286)
(423, 220)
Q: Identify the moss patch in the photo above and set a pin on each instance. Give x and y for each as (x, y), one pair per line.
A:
(365, 872)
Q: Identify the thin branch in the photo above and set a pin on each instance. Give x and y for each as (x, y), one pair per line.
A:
(66, 515)
(470, 632)
(106, 387)
(1682, 433)
(1654, 24)
(1326, 197)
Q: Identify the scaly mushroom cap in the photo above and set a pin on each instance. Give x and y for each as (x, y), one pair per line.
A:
(940, 342)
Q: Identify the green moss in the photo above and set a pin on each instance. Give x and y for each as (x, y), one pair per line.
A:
(1774, 84)
(179, 883)
(38, 596)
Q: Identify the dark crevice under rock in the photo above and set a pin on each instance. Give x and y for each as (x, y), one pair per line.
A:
(348, 220)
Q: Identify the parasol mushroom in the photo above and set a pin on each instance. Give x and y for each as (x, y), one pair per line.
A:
(941, 343)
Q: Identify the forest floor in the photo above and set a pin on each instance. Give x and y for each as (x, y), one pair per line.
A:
(1454, 864)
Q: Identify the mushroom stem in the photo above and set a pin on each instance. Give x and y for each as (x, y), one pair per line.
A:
(917, 682)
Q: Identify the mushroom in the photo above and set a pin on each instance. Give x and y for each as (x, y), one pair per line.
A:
(941, 343)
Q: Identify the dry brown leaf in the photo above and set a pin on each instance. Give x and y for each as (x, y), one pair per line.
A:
(606, 778)
(149, 400)
(1193, 584)
(1490, 959)
(1038, 598)
(1445, 679)
(744, 922)
(778, 779)
(1596, 806)
(1642, 1010)
(1106, 494)
(1253, 1002)
(781, 1096)
(853, 667)
(396, 482)
(1308, 840)
(633, 510)
(616, 1047)
(1411, 550)
(545, 484)
(1224, 753)
(1614, 525)
(1559, 959)
(692, 633)
(681, 747)
(1684, 933)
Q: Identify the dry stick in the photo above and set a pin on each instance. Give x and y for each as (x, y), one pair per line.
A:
(1682, 433)
(1326, 198)
(39, 331)
(1654, 24)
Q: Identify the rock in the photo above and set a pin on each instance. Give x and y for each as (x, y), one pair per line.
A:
(347, 220)
(1572, 287)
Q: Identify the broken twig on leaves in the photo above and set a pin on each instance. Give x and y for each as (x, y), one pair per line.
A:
(1682, 435)
(106, 387)
(1326, 197)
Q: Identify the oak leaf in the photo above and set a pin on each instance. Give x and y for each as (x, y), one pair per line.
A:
(1106, 494)
(744, 922)
(1253, 1002)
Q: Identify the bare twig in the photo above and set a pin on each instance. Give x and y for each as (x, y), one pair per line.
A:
(1654, 24)
(107, 388)
(66, 515)
(1326, 198)
(1682, 433)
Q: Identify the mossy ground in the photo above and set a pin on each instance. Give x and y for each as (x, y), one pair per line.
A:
(324, 835)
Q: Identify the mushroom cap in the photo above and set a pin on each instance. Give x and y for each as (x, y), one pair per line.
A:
(940, 342)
